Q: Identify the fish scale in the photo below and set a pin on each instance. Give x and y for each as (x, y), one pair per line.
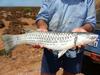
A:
(56, 41)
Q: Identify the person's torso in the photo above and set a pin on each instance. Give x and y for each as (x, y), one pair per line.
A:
(65, 15)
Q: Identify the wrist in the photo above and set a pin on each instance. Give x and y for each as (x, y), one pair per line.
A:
(41, 24)
(87, 27)
(42, 27)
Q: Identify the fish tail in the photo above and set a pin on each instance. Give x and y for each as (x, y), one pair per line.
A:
(8, 43)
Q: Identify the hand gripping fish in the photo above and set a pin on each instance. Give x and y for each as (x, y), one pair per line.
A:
(51, 40)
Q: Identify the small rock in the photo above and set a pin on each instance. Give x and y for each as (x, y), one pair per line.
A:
(2, 25)
(24, 23)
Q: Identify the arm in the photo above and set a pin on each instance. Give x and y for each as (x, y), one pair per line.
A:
(42, 19)
(88, 27)
(43, 16)
(90, 21)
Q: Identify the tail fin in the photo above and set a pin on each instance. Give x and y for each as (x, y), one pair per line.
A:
(8, 43)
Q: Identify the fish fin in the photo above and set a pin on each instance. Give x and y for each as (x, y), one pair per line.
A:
(61, 53)
(8, 43)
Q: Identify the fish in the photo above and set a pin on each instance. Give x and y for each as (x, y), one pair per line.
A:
(56, 41)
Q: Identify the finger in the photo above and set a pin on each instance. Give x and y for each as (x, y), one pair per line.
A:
(49, 49)
(43, 30)
(36, 46)
(83, 46)
(79, 30)
(79, 46)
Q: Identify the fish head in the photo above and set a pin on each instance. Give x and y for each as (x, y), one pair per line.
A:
(86, 38)
(92, 37)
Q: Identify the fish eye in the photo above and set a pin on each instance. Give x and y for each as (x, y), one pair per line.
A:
(93, 37)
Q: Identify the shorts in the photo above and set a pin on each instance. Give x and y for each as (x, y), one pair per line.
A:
(51, 63)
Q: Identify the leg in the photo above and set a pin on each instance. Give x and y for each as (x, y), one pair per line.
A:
(49, 63)
(72, 66)
(67, 73)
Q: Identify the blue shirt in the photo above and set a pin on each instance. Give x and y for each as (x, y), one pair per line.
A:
(65, 15)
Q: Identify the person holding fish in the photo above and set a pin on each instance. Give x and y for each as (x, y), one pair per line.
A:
(65, 16)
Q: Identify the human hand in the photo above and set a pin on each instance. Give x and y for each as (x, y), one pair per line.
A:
(41, 46)
(41, 30)
(80, 29)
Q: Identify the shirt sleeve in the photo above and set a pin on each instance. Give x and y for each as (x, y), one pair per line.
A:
(91, 13)
(43, 13)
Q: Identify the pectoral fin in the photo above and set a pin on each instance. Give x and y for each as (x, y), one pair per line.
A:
(60, 53)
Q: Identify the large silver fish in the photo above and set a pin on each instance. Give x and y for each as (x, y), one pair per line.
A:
(51, 40)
